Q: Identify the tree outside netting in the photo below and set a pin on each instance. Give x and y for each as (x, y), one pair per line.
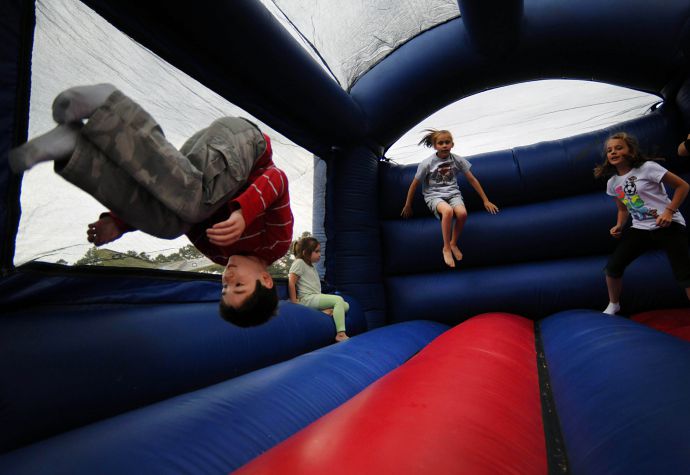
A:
(104, 257)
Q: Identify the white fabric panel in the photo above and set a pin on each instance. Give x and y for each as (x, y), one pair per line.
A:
(75, 46)
(351, 36)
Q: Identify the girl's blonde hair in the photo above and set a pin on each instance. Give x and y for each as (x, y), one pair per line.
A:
(636, 157)
(303, 248)
(432, 135)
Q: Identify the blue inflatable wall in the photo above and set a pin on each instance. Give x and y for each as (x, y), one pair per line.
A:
(542, 253)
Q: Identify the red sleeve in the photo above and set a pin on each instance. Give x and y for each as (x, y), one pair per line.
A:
(278, 227)
(262, 193)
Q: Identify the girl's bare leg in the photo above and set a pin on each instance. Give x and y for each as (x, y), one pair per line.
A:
(446, 213)
(460, 213)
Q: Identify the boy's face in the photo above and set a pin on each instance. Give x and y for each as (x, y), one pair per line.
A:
(239, 279)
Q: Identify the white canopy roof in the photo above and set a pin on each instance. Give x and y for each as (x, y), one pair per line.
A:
(349, 37)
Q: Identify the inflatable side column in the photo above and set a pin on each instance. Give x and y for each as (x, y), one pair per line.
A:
(353, 262)
(18, 20)
(318, 225)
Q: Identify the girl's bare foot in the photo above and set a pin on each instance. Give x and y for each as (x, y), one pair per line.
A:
(456, 252)
(341, 336)
(448, 257)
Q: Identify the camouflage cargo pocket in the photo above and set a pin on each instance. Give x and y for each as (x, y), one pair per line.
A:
(224, 173)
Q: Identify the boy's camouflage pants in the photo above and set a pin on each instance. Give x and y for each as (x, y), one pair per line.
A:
(124, 161)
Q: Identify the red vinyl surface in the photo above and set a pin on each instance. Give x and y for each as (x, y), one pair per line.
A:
(468, 403)
(675, 321)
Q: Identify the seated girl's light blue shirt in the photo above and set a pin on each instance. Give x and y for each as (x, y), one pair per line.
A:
(309, 282)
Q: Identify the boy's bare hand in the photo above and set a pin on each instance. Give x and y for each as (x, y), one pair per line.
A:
(227, 232)
(490, 207)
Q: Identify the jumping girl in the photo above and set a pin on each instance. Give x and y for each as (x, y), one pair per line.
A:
(637, 185)
(441, 192)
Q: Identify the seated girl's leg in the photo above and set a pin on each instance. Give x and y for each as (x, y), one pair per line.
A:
(339, 306)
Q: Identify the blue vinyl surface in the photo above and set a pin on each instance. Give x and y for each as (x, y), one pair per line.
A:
(66, 366)
(219, 428)
(534, 290)
(622, 392)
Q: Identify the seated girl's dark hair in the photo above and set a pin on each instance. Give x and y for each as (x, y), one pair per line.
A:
(303, 248)
(259, 307)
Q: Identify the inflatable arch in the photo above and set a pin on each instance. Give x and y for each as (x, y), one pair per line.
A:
(498, 366)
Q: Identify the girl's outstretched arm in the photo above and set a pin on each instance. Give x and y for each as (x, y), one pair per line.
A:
(683, 150)
(621, 219)
(292, 287)
(488, 205)
(681, 188)
(407, 209)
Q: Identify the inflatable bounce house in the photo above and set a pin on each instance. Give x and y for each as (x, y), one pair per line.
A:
(504, 364)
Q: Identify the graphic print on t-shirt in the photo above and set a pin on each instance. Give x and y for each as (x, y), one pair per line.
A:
(629, 197)
(442, 174)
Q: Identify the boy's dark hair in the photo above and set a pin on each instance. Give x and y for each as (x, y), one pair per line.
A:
(259, 307)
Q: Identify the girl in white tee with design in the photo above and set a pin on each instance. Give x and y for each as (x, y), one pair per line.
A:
(304, 285)
(637, 185)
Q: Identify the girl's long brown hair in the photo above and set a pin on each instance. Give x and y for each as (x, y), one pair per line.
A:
(636, 157)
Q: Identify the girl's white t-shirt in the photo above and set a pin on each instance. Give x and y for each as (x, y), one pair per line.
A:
(309, 282)
(438, 175)
(643, 193)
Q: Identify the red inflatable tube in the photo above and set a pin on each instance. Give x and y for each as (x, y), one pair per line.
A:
(468, 403)
(675, 321)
